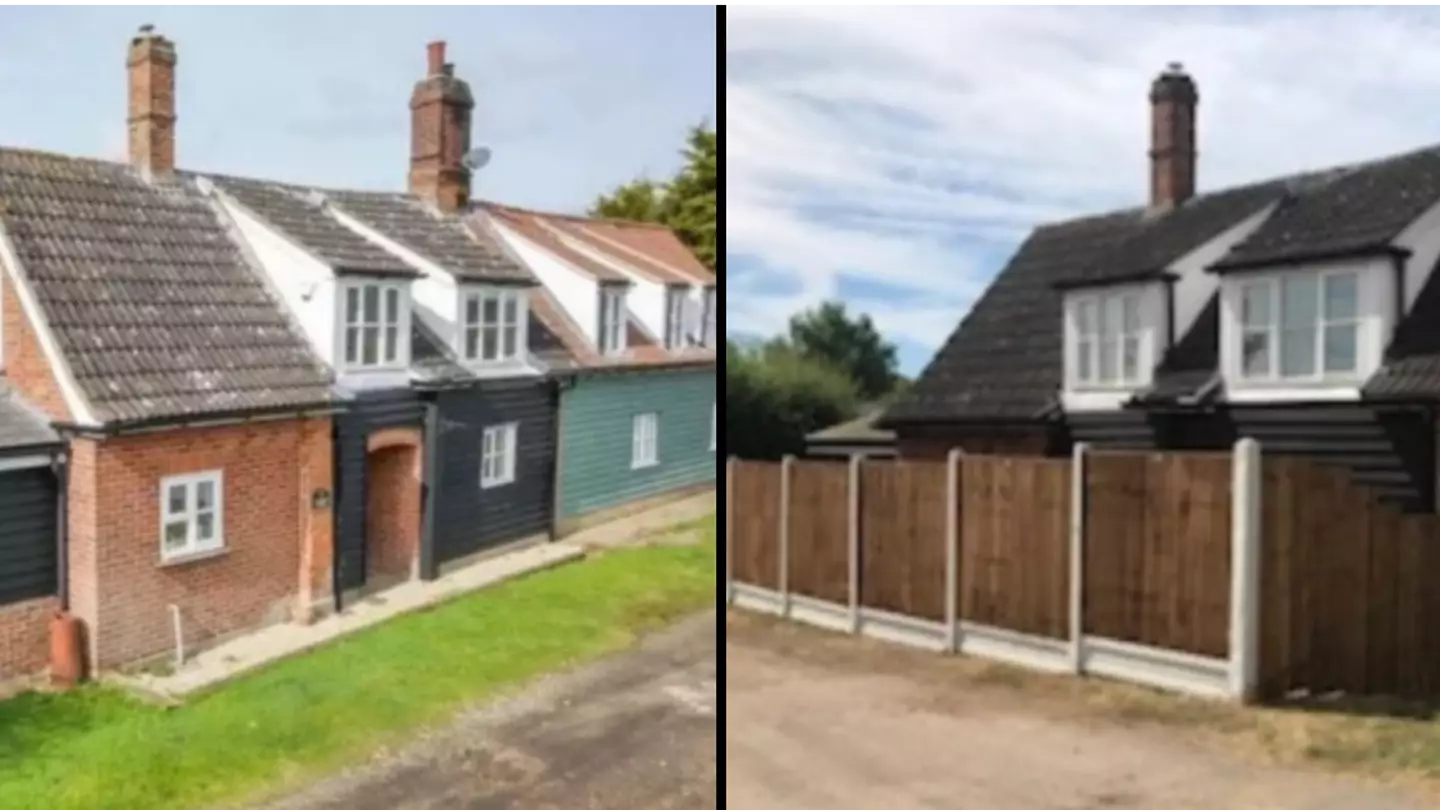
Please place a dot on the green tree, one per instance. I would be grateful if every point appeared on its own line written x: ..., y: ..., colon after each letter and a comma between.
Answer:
x: 638, y: 201
x: 685, y: 203
x: 853, y: 345
x: 774, y: 398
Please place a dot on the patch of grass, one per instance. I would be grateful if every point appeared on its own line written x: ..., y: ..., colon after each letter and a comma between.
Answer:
x: 98, y: 750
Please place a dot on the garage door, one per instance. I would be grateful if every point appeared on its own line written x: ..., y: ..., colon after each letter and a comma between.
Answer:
x: 28, y: 522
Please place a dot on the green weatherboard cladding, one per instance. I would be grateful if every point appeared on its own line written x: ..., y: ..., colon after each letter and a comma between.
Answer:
x: 597, y: 422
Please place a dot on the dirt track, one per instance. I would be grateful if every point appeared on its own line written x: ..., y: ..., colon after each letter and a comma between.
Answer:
x: 815, y: 722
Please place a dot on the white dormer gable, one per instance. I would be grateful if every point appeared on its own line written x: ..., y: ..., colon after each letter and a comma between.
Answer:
x: 1319, y: 330
x: 485, y: 325
x: 359, y: 325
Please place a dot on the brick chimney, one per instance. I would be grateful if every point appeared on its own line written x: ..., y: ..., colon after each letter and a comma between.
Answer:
x: 440, y: 135
x: 1173, y: 99
x: 152, y: 102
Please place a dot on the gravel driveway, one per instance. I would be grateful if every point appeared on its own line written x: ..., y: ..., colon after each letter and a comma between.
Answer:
x: 819, y: 722
x: 636, y: 732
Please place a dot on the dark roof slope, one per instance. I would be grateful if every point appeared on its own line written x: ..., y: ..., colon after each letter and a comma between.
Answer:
x: 1003, y: 361
x: 441, y: 239
x: 1168, y: 237
x: 1359, y: 208
x: 299, y: 214
x: 152, y: 304
x: 21, y: 425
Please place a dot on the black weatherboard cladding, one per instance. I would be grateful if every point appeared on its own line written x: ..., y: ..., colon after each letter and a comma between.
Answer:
x: 29, y: 566
x: 470, y: 519
x: 352, y: 431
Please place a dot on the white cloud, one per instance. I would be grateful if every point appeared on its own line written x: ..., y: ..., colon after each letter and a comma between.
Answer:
x: 902, y: 145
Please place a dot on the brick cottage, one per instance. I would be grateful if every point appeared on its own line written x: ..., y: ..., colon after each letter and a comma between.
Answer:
x: 198, y: 420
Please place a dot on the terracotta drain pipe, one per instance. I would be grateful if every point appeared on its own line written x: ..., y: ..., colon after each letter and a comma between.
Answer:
x: 67, y: 642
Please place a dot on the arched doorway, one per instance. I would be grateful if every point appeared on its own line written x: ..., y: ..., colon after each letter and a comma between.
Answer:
x: 392, y: 506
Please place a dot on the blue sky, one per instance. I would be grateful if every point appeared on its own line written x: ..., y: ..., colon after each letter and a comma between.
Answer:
x: 573, y: 100
x: 894, y: 158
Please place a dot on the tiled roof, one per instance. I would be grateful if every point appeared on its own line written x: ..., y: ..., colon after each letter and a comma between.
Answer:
x: 297, y: 213
x: 1168, y: 237
x: 1003, y: 361
x: 651, y: 249
x: 1359, y: 208
x: 531, y: 226
x: 151, y: 302
x: 443, y: 240
x: 863, y: 429
x: 22, y: 425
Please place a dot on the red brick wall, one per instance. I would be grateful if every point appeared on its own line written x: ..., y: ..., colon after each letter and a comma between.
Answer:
x: 392, y: 513
x: 270, y: 470
x: 25, y: 637
x: 25, y: 365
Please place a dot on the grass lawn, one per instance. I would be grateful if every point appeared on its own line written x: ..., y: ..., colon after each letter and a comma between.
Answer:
x: 98, y: 750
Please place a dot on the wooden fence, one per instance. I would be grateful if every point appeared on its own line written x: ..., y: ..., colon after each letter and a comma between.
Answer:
x: 1333, y: 586
x: 1349, y: 599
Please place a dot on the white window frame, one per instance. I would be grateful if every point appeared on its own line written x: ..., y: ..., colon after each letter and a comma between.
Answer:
x: 392, y: 338
x: 1090, y: 347
x: 1273, y: 329
x: 676, y: 333
x: 714, y: 418
x: 645, y: 441
x: 712, y: 318
x: 499, y: 446
x: 190, y: 515
x: 479, y: 331
x: 613, y: 335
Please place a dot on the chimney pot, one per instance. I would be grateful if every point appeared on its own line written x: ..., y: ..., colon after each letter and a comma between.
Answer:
x: 147, y: 28
x: 437, y: 57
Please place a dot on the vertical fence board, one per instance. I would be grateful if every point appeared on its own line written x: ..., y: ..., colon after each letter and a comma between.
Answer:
x: 819, y: 531
x: 757, y: 524
x: 902, y: 537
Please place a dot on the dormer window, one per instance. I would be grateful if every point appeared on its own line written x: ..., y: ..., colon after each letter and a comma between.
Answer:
x: 675, y: 299
x: 612, y: 321
x: 1108, y: 333
x: 493, y: 325
x: 375, y: 333
x: 1299, y: 327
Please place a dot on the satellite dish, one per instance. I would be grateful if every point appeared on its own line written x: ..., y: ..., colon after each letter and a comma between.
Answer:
x: 478, y: 158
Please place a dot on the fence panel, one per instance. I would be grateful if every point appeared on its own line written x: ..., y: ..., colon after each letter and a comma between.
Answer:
x: 1015, y: 544
x: 902, y: 538
x: 1157, y: 550
x: 819, y: 530
x: 1348, y: 603
x: 756, y: 536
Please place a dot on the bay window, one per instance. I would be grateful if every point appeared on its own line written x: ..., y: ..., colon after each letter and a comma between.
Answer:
x: 1299, y: 327
x: 375, y: 332
x: 1107, y: 332
x: 493, y: 325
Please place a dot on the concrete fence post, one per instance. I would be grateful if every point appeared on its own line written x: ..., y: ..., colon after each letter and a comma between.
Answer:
x: 730, y: 465
x: 1078, y: 464
x: 952, y: 550
x: 787, y: 466
x: 1245, y: 561
x: 853, y: 539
